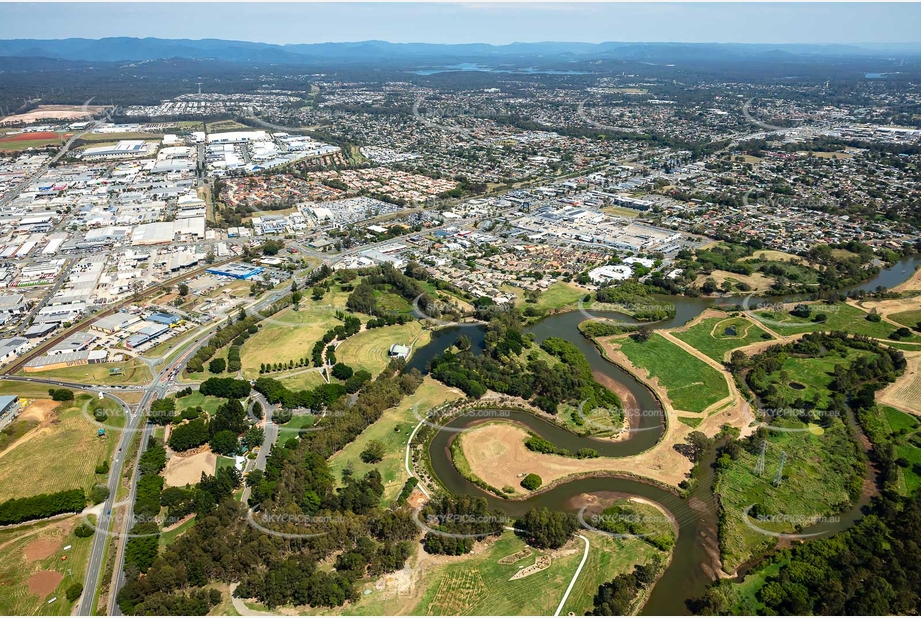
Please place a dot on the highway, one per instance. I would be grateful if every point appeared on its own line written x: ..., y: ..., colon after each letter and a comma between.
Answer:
x: 157, y: 389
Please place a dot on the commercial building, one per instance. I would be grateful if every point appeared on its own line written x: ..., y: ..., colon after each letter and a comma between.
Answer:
x: 235, y: 270
x: 122, y: 150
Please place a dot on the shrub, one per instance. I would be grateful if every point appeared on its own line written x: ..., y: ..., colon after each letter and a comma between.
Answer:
x: 531, y: 482
x: 61, y: 394
x: 74, y: 591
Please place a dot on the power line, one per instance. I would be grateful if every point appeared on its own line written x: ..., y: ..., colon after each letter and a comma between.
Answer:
x: 779, y: 476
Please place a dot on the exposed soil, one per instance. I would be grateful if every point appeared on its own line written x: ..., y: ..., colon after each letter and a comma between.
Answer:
x: 40, y: 410
x: 41, y: 548
x: 44, y: 583
x: 182, y: 471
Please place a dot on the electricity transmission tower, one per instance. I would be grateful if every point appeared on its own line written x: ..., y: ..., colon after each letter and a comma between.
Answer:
x: 779, y: 475
x: 759, y: 467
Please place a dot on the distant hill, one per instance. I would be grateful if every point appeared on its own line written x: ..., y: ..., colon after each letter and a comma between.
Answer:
x: 125, y: 49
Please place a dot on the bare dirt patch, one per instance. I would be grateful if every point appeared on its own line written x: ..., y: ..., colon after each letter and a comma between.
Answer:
x: 905, y: 392
x: 44, y: 583
x: 41, y: 548
x: 912, y: 283
x: 41, y: 411
x: 182, y: 471
x: 29, y: 137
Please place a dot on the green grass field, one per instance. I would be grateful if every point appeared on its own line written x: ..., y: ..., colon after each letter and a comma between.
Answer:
x: 710, y: 336
x: 908, y: 318
x: 813, y: 373
x: 132, y: 372
x: 480, y: 586
x: 168, y: 537
x: 607, y: 558
x: 840, y: 317
x: 16, y: 569
x: 61, y: 454
x: 393, y: 429
x: 302, y: 381
x: 20, y: 145
x: 818, y: 473
x: 692, y: 385
x: 290, y: 334
x: 293, y: 427
x: 208, y: 403
x: 369, y: 349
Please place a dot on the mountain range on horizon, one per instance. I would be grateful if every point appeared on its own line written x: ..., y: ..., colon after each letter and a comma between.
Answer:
x: 129, y: 49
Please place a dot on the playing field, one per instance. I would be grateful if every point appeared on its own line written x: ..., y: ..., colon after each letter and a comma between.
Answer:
x: 717, y: 336
x: 60, y: 453
x: 692, y: 385
x: 393, y: 429
x: 369, y: 349
x: 32, y: 571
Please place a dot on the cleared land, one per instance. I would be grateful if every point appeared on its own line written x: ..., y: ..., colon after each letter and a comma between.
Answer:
x: 132, y: 372
x: 757, y: 281
x: 392, y: 429
x: 60, y: 453
x: 905, y: 392
x: 182, y: 471
x: 692, y: 385
x: 480, y: 585
x: 717, y: 336
x: 31, y: 569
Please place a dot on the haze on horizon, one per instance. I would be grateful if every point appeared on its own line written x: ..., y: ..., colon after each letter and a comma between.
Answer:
x: 498, y: 23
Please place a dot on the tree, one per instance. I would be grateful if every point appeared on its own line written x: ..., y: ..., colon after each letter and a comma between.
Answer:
x: 642, y: 334
x: 318, y: 292
x: 341, y: 371
x: 224, y: 443
x: 61, y: 394
x: 217, y: 365
x: 74, y: 591
x: 183, y: 289
x: 272, y: 247
x: 374, y: 452
x: 544, y: 529
x: 532, y: 296
x: 254, y: 437
x: 531, y: 482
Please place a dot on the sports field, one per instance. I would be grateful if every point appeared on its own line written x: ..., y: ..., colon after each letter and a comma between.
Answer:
x: 692, y: 385
x: 32, y: 571
x: 717, y: 336
x: 369, y: 349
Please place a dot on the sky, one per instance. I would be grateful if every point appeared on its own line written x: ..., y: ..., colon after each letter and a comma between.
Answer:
x: 496, y: 23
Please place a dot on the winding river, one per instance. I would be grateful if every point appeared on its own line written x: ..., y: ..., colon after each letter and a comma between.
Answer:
x: 695, y: 560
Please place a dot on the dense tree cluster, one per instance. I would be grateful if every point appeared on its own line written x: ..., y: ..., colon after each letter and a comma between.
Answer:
x: 635, y: 298
x: 297, y: 483
x: 313, y: 399
x: 617, y: 597
x: 43, y: 505
x: 225, y: 388
x: 873, y: 569
x: 501, y: 368
x: 464, y: 519
x: 545, y: 529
